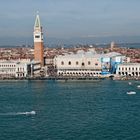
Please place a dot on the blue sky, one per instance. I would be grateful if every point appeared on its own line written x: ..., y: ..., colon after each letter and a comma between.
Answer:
x: 69, y: 19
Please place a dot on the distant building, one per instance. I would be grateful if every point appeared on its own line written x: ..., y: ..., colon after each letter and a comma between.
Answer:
x: 112, y: 45
x: 38, y: 42
x: 128, y: 69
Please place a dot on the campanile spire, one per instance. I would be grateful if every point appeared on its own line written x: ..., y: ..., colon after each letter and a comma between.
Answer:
x: 37, y: 21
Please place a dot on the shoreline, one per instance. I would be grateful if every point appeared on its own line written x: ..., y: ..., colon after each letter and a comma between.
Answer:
x: 70, y: 78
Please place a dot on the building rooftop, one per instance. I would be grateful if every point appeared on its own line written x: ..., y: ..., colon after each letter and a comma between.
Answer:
x: 88, y: 54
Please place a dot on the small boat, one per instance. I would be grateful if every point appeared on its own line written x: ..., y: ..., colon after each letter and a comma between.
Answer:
x: 138, y: 86
x: 131, y: 92
x: 129, y: 83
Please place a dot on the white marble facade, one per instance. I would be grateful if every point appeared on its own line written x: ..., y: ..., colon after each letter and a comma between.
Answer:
x: 81, y: 64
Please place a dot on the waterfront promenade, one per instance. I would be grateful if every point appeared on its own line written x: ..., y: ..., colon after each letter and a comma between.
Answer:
x: 67, y: 78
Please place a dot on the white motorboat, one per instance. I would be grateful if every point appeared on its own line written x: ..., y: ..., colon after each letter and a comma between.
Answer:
x: 138, y: 86
x: 131, y: 92
x: 129, y: 83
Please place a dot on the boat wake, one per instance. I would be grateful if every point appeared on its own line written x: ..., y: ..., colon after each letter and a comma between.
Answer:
x: 18, y: 113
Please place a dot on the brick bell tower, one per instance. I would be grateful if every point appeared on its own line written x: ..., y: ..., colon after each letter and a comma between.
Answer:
x: 38, y: 42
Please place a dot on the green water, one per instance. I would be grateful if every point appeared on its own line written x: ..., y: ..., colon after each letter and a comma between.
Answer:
x: 95, y: 110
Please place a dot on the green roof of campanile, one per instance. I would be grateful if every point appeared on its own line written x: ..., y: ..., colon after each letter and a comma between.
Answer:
x: 37, y: 22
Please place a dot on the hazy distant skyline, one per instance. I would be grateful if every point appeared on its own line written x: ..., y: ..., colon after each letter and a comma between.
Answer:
x: 66, y: 19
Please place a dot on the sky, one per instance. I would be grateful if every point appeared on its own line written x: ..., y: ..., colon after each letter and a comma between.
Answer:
x: 70, y: 20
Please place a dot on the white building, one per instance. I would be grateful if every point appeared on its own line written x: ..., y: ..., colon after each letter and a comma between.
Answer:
x: 13, y: 69
x: 16, y: 69
x: 80, y: 64
x: 128, y: 69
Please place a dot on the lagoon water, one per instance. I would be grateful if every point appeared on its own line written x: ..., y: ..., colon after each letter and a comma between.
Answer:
x: 74, y: 110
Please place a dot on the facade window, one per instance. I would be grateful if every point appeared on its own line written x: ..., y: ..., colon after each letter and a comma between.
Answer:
x: 122, y: 68
x: 96, y: 64
x: 119, y: 68
x: 62, y: 63
x: 125, y: 68
x: 136, y: 68
x: 89, y: 62
x: 77, y: 63
x: 69, y: 63
x: 83, y: 64
x: 129, y: 68
x: 132, y: 68
x: 133, y: 73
